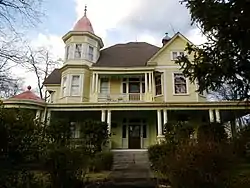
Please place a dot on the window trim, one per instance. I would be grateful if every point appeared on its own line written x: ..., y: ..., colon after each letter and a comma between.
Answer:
x: 79, y: 85
x: 89, y: 46
x: 161, y: 74
x: 62, y: 86
x: 173, y: 84
x: 178, y: 54
x: 99, y: 85
x: 81, y: 55
x: 127, y: 85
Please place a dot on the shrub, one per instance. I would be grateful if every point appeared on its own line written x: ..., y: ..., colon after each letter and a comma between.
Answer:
x: 65, y: 165
x: 102, y: 161
x: 156, y: 152
x: 94, y: 134
x: 212, y: 132
x: 204, y: 164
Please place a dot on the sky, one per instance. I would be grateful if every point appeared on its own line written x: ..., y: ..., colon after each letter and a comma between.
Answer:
x: 115, y: 21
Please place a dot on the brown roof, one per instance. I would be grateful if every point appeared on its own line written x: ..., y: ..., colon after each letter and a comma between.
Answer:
x: 132, y: 54
x: 54, y: 77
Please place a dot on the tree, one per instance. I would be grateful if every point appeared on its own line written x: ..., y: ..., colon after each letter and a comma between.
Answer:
x: 15, y: 14
x: 41, y: 63
x: 225, y: 57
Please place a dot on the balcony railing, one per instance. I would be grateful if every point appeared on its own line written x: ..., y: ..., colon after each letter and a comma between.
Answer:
x: 123, y: 97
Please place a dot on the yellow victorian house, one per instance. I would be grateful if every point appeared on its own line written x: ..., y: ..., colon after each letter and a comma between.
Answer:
x: 135, y: 87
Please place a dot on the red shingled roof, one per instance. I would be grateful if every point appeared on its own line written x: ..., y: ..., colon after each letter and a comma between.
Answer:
x: 28, y: 95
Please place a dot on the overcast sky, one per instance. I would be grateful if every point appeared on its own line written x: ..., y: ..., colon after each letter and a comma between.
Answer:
x: 115, y: 21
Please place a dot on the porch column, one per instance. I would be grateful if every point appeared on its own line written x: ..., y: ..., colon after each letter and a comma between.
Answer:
x: 150, y: 82
x: 96, y: 83
x: 93, y: 83
x: 159, y: 123
x: 146, y: 82
x: 165, y: 117
x: 38, y: 114
x: 103, y: 116
x: 211, y: 115
x: 109, y: 121
x: 217, y: 115
x: 48, y: 117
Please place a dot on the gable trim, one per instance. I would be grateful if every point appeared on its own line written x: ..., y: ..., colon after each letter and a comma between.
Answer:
x: 178, y: 34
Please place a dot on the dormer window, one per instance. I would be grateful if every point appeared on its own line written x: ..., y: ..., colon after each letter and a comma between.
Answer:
x: 91, y: 53
x: 176, y: 54
x: 78, y: 51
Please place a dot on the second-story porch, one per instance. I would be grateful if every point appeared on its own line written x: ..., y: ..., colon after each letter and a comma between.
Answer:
x: 126, y: 86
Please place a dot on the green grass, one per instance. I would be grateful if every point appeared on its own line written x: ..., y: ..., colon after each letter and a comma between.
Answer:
x: 100, y: 176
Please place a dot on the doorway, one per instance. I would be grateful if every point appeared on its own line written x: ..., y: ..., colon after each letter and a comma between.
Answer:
x: 134, y: 136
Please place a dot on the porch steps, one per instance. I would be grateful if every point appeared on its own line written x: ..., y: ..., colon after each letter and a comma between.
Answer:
x: 132, y: 167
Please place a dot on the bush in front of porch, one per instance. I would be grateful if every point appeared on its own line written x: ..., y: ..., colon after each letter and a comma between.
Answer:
x: 208, y: 161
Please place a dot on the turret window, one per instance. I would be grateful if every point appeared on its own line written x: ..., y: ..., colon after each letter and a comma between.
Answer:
x: 67, y: 52
x: 91, y: 53
x: 78, y: 51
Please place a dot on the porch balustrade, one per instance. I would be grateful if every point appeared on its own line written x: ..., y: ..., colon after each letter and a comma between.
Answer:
x: 123, y: 97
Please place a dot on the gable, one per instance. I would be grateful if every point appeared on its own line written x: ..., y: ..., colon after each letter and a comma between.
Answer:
x: 164, y: 56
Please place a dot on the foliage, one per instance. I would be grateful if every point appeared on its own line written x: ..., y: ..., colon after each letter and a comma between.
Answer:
x: 206, y: 164
x: 65, y: 165
x: 224, y: 58
x: 102, y: 161
x: 94, y: 134
x: 242, y: 143
x: 156, y: 152
x: 212, y: 132
x: 177, y: 132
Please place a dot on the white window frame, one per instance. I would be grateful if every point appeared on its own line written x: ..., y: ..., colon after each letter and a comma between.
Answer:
x: 67, y: 52
x: 71, y: 85
x: 173, y: 83
x: 81, y: 53
x: 127, y: 85
x: 91, y: 54
x: 178, y: 54
x: 99, y: 88
x: 64, y: 86
x: 161, y: 75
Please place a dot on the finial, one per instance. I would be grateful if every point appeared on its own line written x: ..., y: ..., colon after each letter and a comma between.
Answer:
x: 29, y: 88
x: 85, y: 10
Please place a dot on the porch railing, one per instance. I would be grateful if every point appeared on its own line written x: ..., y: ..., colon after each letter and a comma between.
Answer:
x: 123, y: 97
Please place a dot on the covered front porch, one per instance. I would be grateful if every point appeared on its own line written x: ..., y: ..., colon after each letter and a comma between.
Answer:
x: 138, y: 127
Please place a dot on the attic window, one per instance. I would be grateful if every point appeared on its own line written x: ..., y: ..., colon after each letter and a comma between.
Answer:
x: 176, y: 54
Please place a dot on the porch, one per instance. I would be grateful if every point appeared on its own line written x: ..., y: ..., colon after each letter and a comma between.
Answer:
x: 138, y: 128
x: 123, y: 87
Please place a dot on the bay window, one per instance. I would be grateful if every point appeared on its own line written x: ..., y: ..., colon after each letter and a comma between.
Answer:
x: 64, y: 86
x: 75, y: 85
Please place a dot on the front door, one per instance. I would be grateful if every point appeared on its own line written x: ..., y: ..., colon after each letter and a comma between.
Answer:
x: 134, y: 136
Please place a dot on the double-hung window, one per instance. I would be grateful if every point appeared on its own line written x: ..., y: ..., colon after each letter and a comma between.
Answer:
x: 91, y: 53
x: 180, y: 84
x: 158, y: 84
x: 104, y: 86
x: 64, y: 86
x: 78, y: 51
x: 67, y: 52
x: 75, y: 85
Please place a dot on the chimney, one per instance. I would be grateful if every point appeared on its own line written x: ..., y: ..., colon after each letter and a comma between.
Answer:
x: 165, y: 39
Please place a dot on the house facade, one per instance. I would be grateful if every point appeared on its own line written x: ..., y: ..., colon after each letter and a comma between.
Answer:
x: 135, y: 87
